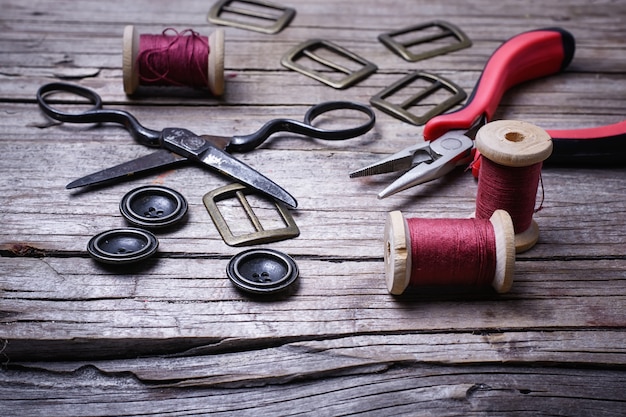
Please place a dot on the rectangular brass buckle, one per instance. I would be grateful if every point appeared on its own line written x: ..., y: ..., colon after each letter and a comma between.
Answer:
x: 443, y: 30
x: 400, y: 110
x: 255, y: 17
x: 307, y: 49
x: 260, y: 235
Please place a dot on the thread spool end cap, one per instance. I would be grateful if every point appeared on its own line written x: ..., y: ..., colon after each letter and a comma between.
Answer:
x: 216, y: 62
x: 397, y: 253
x: 130, y: 49
x: 505, y: 250
x: 528, y: 238
x: 513, y: 143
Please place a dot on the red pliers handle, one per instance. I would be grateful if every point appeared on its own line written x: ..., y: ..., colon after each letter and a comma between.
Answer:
x: 524, y: 57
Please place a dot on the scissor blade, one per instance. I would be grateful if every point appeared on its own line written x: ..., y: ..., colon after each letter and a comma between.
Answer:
x: 159, y: 159
x: 237, y: 170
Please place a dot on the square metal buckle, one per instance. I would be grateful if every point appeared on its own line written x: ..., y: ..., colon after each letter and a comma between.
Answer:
x: 255, y: 17
x: 307, y: 49
x: 400, y: 110
x: 260, y: 235
x: 445, y: 30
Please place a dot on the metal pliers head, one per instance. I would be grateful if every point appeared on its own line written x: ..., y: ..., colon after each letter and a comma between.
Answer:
x: 422, y: 162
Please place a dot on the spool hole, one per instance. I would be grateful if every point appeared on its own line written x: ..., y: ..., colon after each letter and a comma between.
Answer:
x: 514, y: 136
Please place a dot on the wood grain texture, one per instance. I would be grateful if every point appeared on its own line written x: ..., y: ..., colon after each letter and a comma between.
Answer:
x: 172, y: 336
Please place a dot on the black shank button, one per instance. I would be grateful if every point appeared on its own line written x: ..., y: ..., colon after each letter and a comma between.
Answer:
x: 262, y: 271
x: 122, y: 246
x: 153, y: 206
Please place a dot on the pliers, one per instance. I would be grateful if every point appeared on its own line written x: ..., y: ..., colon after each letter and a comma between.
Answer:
x: 449, y: 138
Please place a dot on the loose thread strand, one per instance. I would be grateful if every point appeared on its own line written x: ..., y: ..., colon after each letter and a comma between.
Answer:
x: 178, y: 59
x: 543, y: 194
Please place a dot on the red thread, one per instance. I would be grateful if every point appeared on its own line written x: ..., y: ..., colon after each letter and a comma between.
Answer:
x: 452, y: 252
x: 179, y: 59
x: 513, y: 189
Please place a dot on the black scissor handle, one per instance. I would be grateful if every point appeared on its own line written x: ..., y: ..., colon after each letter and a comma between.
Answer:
x: 339, y: 134
x: 248, y: 142
x: 96, y: 114
x: 88, y: 116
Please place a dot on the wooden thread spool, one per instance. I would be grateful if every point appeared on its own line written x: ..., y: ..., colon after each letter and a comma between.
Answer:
x: 514, y: 150
x: 130, y: 67
x: 399, y: 265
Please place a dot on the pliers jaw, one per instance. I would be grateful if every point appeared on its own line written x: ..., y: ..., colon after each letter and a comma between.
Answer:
x: 404, y: 160
x: 422, y: 162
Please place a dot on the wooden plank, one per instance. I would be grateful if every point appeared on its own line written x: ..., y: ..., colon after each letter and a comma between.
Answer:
x: 173, y: 335
x: 101, y: 308
x: 220, y: 364
x: 328, y: 197
x: 400, y: 390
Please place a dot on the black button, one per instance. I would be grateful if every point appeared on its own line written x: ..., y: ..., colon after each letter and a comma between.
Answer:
x: 153, y: 206
x: 262, y: 271
x: 122, y: 246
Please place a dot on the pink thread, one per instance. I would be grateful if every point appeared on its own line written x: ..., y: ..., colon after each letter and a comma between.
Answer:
x: 452, y: 252
x: 513, y: 189
x: 178, y: 59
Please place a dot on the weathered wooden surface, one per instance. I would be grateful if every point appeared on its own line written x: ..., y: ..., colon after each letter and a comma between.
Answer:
x: 174, y: 337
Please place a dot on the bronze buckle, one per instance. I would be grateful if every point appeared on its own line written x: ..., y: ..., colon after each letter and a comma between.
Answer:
x: 400, y: 110
x: 260, y: 235
x: 446, y: 30
x: 307, y: 49
x: 259, y: 12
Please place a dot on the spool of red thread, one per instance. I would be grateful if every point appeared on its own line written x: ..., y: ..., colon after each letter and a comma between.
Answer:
x: 468, y: 252
x: 183, y: 57
x: 512, y: 155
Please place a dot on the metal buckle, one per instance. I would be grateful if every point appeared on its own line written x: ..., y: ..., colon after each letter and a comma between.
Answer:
x: 307, y: 49
x: 400, y: 110
x: 260, y: 235
x: 446, y: 30
x: 259, y: 13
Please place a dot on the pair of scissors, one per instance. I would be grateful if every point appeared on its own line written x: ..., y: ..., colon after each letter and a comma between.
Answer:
x: 449, y: 138
x: 180, y: 145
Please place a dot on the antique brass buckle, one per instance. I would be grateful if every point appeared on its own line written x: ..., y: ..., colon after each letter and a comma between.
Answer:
x: 442, y: 30
x: 255, y: 17
x: 400, y: 110
x: 307, y: 49
x: 260, y: 235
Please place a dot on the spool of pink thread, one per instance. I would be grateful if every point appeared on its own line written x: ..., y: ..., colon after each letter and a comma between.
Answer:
x: 440, y: 252
x: 512, y: 155
x: 173, y: 59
